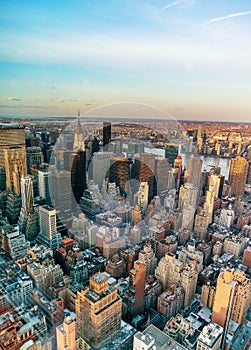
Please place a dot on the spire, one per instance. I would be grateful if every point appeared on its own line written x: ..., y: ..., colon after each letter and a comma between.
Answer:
x: 79, y: 129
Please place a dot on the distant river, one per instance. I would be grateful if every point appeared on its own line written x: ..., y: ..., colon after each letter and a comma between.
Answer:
x: 208, y: 161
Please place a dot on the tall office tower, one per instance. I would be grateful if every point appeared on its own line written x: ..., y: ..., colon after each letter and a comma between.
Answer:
x: 209, y: 204
x: 201, y: 224
x: 78, y: 175
x: 107, y: 129
x: 34, y: 157
x: 78, y: 144
x: 146, y: 172
x: 101, y: 164
x: 161, y: 173
x: 61, y: 194
x: 120, y: 172
x: 28, y: 219
x: 210, y: 337
x: 43, y: 184
x: 193, y: 171
x: 147, y: 257
x: 171, y: 270
x: 48, y: 234
x: 142, y: 196
x: 15, y: 167
x: 66, y: 335
x: 13, y: 206
x: 178, y: 165
x: 232, y: 297
x: 98, y: 312
x: 171, y: 152
x: 238, y: 175
x: 214, y: 183
x: 172, y: 180
x: 187, y: 204
x: 11, y: 135
x: 135, y: 294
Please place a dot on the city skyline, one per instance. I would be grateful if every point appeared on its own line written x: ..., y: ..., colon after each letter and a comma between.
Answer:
x: 189, y: 58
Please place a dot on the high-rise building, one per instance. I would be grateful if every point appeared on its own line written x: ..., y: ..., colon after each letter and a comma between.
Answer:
x: 171, y: 270
x: 193, y: 172
x: 171, y: 152
x: 232, y: 297
x: 15, y: 167
x: 78, y: 144
x: 135, y: 295
x: 147, y: 257
x: 66, y: 335
x: 11, y: 135
x: 187, y: 204
x: 43, y: 184
x: 161, y: 173
x: 142, y: 196
x: 34, y: 157
x: 238, y: 175
x: 107, y: 129
x: 28, y: 219
x: 209, y: 204
x: 98, y: 312
x: 120, y: 172
x: 48, y: 234
x: 13, y: 206
x: 171, y: 301
x: 61, y: 194
x: 14, y: 242
x: 78, y: 174
x: 101, y: 164
x: 201, y: 224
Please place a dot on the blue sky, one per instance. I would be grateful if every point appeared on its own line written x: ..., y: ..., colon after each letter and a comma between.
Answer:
x: 190, y: 57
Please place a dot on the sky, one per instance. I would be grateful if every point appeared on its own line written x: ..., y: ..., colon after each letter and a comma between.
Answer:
x: 191, y: 58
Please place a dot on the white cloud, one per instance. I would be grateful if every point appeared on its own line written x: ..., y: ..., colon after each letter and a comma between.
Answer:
x: 231, y: 15
x: 14, y: 99
x: 177, y: 3
x: 172, y: 4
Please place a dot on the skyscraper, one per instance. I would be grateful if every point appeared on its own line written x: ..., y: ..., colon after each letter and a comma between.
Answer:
x: 101, y: 165
x: 106, y: 133
x: 66, y: 335
x: 238, y: 175
x: 147, y: 257
x: 120, y: 172
x: 135, y: 295
x: 232, y: 297
x: 193, y: 171
x: 78, y: 174
x: 43, y: 184
x: 28, y: 219
x: 98, y: 312
x: 11, y: 135
x: 15, y: 167
x: 48, y: 229
x: 34, y: 157
x: 171, y: 152
x: 78, y: 144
